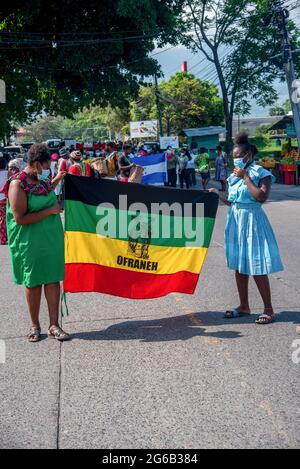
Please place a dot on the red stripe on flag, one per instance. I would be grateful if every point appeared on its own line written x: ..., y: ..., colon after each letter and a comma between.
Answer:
x: 80, y: 278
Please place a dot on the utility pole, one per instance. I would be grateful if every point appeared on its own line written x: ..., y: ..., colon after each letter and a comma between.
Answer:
x: 158, y: 105
x: 281, y: 15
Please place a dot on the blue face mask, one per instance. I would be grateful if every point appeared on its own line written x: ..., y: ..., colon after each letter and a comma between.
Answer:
x: 239, y: 163
x: 45, y: 175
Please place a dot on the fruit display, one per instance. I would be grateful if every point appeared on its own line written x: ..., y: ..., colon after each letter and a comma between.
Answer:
x: 291, y: 157
x: 267, y: 162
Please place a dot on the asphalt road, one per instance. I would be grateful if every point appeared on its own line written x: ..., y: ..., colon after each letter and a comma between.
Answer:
x: 168, y: 373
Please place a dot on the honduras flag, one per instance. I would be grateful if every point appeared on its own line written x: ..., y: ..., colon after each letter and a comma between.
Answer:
x: 155, y: 168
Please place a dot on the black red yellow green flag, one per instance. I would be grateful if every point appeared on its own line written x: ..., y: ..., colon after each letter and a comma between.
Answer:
x: 135, y: 241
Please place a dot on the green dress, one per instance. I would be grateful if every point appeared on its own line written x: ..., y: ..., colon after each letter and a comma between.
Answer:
x: 37, y: 250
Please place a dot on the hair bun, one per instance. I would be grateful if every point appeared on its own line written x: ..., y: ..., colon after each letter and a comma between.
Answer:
x: 242, y: 138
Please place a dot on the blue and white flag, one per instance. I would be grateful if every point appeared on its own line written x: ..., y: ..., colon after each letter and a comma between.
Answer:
x: 155, y: 168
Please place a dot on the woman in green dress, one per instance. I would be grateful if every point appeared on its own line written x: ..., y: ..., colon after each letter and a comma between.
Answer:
x: 36, y: 238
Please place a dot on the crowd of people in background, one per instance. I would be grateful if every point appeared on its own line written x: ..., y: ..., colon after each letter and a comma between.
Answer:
x: 183, y: 166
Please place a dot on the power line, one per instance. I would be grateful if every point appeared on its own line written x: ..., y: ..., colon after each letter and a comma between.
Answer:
x: 100, y: 67
x: 75, y: 33
x: 41, y: 43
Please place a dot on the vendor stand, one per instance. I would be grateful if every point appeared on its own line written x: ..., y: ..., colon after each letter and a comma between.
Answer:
x: 286, y: 170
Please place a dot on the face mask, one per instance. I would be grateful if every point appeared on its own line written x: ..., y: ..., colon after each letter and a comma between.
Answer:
x: 13, y: 171
x: 239, y: 163
x: 45, y: 175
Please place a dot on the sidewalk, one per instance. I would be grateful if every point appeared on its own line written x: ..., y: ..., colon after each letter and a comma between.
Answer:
x: 168, y: 373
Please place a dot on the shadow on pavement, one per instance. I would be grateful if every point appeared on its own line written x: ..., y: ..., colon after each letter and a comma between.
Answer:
x: 159, y: 330
x: 178, y: 328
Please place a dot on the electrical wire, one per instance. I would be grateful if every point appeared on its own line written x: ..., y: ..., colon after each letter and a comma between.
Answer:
x: 100, y: 67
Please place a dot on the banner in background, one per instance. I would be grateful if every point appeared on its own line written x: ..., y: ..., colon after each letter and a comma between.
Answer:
x: 166, y: 142
x: 143, y: 129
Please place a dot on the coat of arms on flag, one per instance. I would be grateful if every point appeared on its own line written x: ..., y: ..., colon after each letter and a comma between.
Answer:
x: 135, y: 241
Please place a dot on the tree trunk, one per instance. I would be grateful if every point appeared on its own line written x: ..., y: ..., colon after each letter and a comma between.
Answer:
x: 228, y: 115
x: 229, y: 134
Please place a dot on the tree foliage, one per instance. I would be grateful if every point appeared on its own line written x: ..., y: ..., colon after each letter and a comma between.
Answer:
x: 239, y: 43
x: 186, y: 102
x: 73, y: 54
x: 281, y: 109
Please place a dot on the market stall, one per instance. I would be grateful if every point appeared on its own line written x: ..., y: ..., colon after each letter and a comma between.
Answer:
x: 285, y: 166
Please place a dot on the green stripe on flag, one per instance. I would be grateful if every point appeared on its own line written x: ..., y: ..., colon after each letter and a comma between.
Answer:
x: 166, y: 230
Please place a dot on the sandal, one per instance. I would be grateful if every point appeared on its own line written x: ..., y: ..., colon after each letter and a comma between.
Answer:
x: 34, y: 334
x: 56, y: 332
x: 235, y: 314
x: 265, y: 319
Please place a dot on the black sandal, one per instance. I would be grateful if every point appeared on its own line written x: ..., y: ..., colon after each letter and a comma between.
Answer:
x: 235, y: 314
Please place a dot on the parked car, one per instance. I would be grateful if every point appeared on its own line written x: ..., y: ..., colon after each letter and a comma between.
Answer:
x: 54, y: 144
x: 26, y: 146
x: 14, y: 149
x: 151, y: 147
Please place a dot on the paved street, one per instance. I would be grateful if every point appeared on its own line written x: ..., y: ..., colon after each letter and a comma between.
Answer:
x: 168, y: 373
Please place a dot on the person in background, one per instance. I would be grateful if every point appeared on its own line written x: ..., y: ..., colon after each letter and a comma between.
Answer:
x: 142, y: 151
x: 36, y: 239
x: 202, y: 164
x: 3, y: 179
x: 79, y: 167
x: 110, y: 148
x: 183, y: 174
x: 221, y: 168
x: 191, y: 168
x: 54, y: 164
x: 64, y: 160
x: 14, y: 167
x: 171, y: 167
x: 125, y: 164
x: 250, y: 243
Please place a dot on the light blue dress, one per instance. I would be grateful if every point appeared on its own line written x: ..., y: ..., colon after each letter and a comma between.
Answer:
x: 250, y: 243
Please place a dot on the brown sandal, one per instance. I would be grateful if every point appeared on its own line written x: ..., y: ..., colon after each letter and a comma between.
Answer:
x: 34, y: 334
x: 56, y: 332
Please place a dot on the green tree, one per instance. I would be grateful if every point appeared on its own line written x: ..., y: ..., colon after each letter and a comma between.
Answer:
x: 238, y: 42
x: 186, y: 102
x: 287, y: 107
x: 281, y: 109
x: 277, y: 110
x: 45, y: 127
x: 117, y: 120
x: 262, y: 134
x: 74, y: 54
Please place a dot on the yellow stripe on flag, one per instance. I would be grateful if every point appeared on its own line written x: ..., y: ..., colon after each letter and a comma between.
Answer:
x: 87, y: 248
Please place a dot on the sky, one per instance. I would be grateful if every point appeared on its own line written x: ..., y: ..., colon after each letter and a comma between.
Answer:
x: 171, y: 60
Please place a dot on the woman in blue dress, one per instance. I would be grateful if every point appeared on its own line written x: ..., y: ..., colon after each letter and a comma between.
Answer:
x: 250, y: 243
x: 221, y: 168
